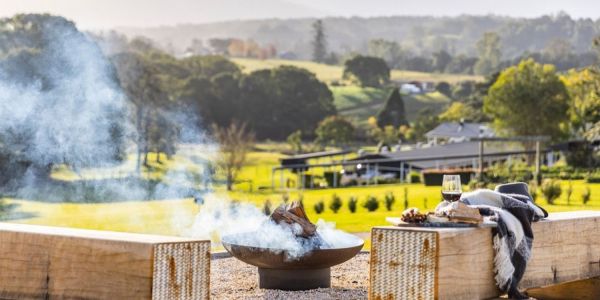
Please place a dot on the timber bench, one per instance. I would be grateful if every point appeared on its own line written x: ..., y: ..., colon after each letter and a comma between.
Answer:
x: 39, y: 262
x: 457, y: 263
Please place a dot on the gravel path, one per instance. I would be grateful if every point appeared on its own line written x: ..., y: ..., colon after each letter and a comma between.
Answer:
x: 233, y: 279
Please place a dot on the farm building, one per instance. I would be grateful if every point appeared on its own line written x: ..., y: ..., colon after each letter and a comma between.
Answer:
x: 454, y: 132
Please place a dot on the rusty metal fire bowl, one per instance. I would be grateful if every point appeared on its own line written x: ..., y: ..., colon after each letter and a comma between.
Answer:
x: 277, y: 270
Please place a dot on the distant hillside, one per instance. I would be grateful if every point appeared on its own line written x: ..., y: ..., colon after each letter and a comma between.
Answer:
x: 417, y: 34
x: 330, y: 73
x: 361, y: 103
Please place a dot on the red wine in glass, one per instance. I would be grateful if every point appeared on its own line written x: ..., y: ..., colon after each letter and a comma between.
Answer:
x: 451, y: 196
x: 451, y: 189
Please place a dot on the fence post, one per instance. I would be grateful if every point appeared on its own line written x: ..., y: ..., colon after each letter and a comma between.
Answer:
x: 480, y: 160
x: 402, y: 172
x: 538, y: 178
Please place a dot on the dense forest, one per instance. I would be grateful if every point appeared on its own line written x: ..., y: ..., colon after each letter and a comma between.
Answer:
x: 418, y: 35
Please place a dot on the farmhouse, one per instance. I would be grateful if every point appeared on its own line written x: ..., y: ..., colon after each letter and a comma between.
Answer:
x: 453, y: 132
x: 465, y: 148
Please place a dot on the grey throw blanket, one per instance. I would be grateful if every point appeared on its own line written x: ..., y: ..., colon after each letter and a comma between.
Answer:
x: 513, y: 237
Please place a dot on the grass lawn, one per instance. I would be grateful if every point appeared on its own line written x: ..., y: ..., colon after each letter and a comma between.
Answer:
x: 174, y: 217
x: 329, y: 73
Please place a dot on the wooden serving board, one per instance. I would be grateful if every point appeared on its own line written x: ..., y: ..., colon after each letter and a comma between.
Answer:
x: 398, y: 222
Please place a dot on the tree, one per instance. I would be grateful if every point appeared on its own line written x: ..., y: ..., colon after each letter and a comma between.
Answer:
x: 461, y: 64
x: 458, y: 111
x: 559, y: 52
x: 388, y: 135
x: 277, y: 102
x: 295, y: 141
x: 584, y: 91
x: 210, y: 65
x: 488, y: 49
x: 142, y: 87
x: 389, y: 51
x: 393, y: 112
x: 60, y: 99
x: 444, y: 88
x: 319, y: 42
x: 335, y: 131
x: 473, y: 101
x: 235, y: 142
x: 426, y: 121
x: 366, y: 71
x: 528, y: 99
x: 441, y: 60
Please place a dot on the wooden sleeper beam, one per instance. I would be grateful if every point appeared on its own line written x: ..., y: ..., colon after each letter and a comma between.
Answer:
x: 39, y: 262
x: 457, y: 263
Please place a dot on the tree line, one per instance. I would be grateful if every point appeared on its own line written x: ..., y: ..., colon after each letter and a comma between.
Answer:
x: 422, y: 36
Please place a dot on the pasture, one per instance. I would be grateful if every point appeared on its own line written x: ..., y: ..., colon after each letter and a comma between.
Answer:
x: 330, y: 73
x: 361, y: 103
x: 175, y: 216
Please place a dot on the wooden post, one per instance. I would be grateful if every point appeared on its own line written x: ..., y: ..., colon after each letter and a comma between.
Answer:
x: 334, y: 178
x: 480, y: 172
x: 39, y: 262
x: 402, y: 172
x: 273, y: 179
x: 538, y: 178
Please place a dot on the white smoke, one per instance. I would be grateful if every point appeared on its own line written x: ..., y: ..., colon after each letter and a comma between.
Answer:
x: 61, y: 103
x: 244, y: 224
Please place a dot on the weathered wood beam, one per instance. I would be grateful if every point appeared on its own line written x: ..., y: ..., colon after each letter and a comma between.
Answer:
x: 39, y: 262
x: 457, y: 263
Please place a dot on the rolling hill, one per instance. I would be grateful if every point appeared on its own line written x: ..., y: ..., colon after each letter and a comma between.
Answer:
x: 330, y: 73
x: 360, y: 103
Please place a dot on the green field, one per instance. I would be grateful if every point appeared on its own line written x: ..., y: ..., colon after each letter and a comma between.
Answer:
x: 361, y: 103
x: 175, y: 216
x: 329, y: 73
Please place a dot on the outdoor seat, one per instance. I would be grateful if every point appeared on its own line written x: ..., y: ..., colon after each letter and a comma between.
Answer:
x: 39, y: 262
x: 457, y: 263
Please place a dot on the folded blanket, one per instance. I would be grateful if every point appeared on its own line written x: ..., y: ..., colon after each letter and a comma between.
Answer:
x: 513, y: 237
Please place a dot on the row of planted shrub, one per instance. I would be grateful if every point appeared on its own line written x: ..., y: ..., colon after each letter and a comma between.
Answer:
x: 371, y: 203
x: 550, y: 189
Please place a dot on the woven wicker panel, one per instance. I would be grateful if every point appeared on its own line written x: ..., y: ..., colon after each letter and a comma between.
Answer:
x: 181, y: 271
x: 403, y: 264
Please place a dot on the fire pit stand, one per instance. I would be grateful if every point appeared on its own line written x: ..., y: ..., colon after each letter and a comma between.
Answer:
x: 294, y: 280
x: 277, y: 270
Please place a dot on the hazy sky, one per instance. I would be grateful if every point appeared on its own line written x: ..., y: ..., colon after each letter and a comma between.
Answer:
x: 102, y: 14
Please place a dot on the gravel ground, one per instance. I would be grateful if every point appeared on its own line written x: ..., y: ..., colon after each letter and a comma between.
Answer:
x: 233, y: 279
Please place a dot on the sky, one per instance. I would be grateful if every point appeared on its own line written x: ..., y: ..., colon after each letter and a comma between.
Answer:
x: 106, y: 14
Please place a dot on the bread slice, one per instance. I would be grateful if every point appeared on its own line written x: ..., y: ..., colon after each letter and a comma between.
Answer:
x: 460, y: 212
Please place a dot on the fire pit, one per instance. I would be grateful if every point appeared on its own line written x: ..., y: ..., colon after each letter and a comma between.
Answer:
x: 278, y: 269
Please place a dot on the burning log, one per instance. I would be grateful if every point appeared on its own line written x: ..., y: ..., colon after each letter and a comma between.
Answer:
x: 294, y: 213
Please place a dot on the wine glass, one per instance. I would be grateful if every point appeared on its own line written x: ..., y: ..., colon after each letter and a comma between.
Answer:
x: 451, y: 189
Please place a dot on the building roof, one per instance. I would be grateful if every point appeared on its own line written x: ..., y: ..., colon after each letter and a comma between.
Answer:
x: 460, y: 130
x: 447, y: 155
x: 301, y: 158
x: 449, y: 150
